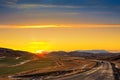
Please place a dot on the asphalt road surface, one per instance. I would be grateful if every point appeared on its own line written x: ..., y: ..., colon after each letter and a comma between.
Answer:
x: 103, y: 72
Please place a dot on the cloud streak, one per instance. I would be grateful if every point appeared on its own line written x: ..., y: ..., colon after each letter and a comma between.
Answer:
x: 6, y: 3
x: 103, y: 5
x: 56, y: 11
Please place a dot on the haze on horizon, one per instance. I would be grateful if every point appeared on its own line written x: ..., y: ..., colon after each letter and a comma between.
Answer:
x: 67, y: 39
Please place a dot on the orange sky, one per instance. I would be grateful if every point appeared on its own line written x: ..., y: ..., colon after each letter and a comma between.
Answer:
x: 71, y: 38
x: 59, y: 25
x: 34, y: 25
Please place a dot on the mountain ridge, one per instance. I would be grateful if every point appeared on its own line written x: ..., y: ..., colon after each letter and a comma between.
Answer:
x: 13, y: 53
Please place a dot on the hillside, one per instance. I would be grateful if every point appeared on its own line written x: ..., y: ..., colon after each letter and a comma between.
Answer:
x: 13, y: 53
x: 101, y: 55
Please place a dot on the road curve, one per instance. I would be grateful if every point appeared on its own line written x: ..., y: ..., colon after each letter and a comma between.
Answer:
x: 102, y: 72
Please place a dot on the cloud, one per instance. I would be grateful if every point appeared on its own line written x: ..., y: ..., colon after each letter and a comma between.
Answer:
x: 101, y: 5
x: 10, y: 2
x: 6, y: 6
x: 85, y: 11
x: 7, y: 2
x: 71, y: 2
x: 90, y: 4
x: 28, y: 6
x: 59, y: 2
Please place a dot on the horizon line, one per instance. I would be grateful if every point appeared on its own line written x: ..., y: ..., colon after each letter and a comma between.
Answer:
x: 62, y: 26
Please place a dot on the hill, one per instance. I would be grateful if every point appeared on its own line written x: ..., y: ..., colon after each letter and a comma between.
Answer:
x: 5, y: 52
x: 94, y: 51
x: 88, y: 54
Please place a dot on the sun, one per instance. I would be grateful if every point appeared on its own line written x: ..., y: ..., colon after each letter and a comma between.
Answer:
x: 38, y: 46
x: 40, y: 52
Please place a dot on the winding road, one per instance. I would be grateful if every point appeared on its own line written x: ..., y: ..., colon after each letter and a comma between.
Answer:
x: 103, y: 72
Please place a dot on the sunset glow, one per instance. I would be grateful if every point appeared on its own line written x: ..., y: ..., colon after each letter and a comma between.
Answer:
x: 38, y: 46
x: 67, y: 39
x: 40, y: 51
x: 56, y: 39
x: 41, y: 26
x: 62, y: 25
x: 33, y: 25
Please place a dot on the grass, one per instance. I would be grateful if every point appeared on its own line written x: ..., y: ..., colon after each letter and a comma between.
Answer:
x: 69, y: 63
x: 8, y: 61
x: 41, y: 63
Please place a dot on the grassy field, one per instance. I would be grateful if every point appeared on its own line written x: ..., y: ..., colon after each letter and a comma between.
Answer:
x: 46, y: 64
x: 8, y: 61
x: 35, y: 64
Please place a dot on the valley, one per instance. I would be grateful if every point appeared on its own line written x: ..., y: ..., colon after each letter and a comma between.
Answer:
x: 60, y: 66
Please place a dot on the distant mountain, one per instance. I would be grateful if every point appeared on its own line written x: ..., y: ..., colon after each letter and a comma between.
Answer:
x: 114, y: 51
x: 13, y: 53
x: 101, y: 55
x: 58, y: 53
x: 88, y: 54
x: 93, y: 51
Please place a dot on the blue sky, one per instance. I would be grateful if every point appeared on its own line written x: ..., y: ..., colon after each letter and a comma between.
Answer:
x: 45, y: 12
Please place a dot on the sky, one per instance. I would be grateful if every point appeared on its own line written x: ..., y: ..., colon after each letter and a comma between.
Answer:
x: 33, y: 25
x: 65, y: 39
x: 58, y: 12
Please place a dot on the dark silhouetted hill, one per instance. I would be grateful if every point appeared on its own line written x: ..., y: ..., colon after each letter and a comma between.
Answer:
x: 93, y: 51
x: 100, y: 55
x: 58, y: 53
x: 13, y: 53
